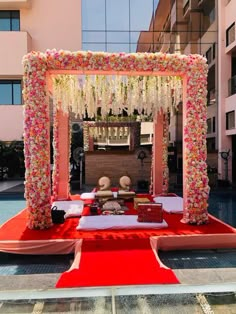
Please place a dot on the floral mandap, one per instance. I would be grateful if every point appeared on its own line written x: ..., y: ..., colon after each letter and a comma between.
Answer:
x: 153, y: 82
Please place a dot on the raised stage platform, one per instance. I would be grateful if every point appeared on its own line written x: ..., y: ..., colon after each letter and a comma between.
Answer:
x: 115, y: 257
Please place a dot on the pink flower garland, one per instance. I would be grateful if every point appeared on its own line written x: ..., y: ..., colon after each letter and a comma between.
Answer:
x: 36, y: 128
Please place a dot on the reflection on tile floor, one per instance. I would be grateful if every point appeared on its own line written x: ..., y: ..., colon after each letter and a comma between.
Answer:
x: 13, y: 264
x: 195, y: 259
x: 132, y: 304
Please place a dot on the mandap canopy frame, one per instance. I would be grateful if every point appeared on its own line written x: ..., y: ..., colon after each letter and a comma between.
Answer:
x: 38, y: 71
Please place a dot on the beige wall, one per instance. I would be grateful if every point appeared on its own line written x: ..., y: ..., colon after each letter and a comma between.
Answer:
x: 53, y: 24
x: 16, y: 45
x: 230, y: 16
x: 11, y: 123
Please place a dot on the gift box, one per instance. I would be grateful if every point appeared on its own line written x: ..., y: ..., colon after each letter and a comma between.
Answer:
x: 150, y: 212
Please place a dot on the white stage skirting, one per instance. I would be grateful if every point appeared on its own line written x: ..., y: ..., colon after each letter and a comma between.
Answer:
x: 171, y: 204
x: 43, y: 247
x: 106, y: 222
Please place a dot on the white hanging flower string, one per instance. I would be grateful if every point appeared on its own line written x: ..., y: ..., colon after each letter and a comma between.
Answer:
x: 146, y: 94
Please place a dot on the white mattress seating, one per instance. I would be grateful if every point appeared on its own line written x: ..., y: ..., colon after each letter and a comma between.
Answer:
x: 72, y: 208
x: 171, y: 204
x: 112, y: 222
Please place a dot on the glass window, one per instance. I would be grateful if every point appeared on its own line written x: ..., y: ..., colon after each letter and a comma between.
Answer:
x: 93, y: 15
x: 9, y: 20
x: 185, y: 6
x: 118, y: 47
x: 94, y: 46
x: 208, y: 56
x: 208, y: 126
x: 10, y: 92
x: 133, y: 48
x: 94, y: 37
x: 212, y: 16
x: 211, y: 144
x: 17, y: 92
x: 134, y: 36
x: 15, y: 20
x: 230, y: 35
x: 118, y: 37
x: 213, y: 124
x: 141, y: 13
x: 230, y: 120
x: 214, y: 51
x: 111, y: 23
x: 117, y: 15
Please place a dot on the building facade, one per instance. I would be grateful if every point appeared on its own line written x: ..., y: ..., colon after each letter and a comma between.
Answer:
x: 205, y: 27
x: 27, y: 25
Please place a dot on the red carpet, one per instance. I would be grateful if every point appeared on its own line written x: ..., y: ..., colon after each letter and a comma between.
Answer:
x: 117, y: 262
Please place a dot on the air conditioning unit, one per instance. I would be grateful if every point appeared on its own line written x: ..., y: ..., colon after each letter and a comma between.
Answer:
x: 75, y: 127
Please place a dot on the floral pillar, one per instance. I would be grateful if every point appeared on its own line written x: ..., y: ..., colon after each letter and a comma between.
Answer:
x: 195, y: 179
x: 37, y: 143
x: 158, y: 154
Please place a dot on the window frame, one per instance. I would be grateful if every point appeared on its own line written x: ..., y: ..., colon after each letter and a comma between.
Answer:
x: 209, y: 126
x: 228, y: 42
x: 11, y: 17
x: 227, y: 115
x: 209, y: 55
x: 12, y: 82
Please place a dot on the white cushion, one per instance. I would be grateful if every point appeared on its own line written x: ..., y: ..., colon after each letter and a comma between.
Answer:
x: 72, y: 208
x: 104, y: 222
x: 73, y: 212
x: 171, y: 204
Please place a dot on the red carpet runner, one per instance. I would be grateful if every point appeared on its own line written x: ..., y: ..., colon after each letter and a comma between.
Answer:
x: 117, y: 262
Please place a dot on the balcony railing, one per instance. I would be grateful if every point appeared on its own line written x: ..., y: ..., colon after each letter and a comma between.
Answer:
x: 232, y: 85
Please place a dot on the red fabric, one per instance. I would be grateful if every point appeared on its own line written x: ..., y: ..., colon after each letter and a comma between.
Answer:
x: 118, y: 257
x: 16, y: 229
x: 117, y: 262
